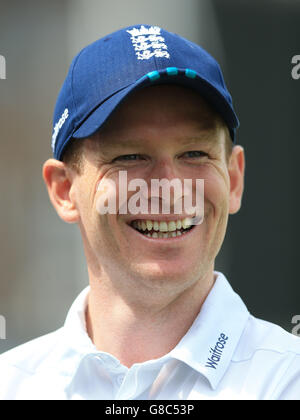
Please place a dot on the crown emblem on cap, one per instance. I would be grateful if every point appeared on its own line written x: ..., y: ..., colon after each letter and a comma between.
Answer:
x: 153, y: 30
x: 148, y: 43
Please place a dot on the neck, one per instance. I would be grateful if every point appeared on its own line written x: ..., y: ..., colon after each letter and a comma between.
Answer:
x: 137, y: 330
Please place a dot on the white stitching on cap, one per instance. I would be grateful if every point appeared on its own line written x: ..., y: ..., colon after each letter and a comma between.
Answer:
x: 58, y: 126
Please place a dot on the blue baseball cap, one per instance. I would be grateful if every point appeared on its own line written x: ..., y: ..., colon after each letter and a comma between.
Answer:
x: 105, y: 72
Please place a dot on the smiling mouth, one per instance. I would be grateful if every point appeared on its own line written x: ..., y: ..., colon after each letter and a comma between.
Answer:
x: 163, y: 229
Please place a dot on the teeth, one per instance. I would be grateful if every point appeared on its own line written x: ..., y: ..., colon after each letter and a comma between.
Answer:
x: 178, y: 224
x: 155, y: 226
x: 164, y: 234
x: 186, y: 223
x: 172, y: 226
x: 163, y: 229
x: 149, y: 224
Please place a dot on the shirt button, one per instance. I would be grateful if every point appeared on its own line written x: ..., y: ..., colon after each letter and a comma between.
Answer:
x: 120, y: 379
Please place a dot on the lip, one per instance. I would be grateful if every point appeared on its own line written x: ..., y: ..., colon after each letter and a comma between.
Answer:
x: 162, y: 241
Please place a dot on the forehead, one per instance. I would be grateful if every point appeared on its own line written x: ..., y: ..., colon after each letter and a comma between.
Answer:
x: 161, y: 103
x: 162, y: 111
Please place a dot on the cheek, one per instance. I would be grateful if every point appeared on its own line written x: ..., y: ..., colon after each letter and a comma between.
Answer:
x: 84, y: 195
x: 114, y: 192
x: 216, y: 188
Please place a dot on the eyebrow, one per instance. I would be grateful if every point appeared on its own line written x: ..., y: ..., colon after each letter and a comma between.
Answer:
x: 123, y: 144
x: 206, y: 136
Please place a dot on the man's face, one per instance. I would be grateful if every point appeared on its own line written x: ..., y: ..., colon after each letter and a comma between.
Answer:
x: 161, y: 132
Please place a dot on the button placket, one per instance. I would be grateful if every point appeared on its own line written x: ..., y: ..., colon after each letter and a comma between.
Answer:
x: 113, y: 368
x: 128, y: 388
x: 120, y: 379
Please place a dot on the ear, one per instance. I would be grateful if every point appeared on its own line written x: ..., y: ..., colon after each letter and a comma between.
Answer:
x: 59, y: 184
x: 236, y: 170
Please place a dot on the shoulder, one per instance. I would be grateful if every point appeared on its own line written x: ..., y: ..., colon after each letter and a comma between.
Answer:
x: 271, y: 356
x: 25, y: 368
x: 264, y: 336
x: 30, y: 356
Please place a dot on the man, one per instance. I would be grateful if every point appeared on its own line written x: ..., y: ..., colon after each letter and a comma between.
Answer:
x: 156, y: 322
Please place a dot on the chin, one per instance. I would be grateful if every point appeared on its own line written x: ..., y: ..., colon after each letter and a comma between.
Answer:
x: 165, y: 272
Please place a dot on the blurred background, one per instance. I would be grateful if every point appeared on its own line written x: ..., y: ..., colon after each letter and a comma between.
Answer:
x: 41, y: 258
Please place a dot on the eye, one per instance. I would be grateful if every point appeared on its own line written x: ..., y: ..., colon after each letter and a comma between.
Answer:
x: 127, y: 158
x: 195, y: 154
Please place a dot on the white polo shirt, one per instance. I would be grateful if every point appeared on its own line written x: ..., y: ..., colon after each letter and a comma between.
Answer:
x: 226, y: 354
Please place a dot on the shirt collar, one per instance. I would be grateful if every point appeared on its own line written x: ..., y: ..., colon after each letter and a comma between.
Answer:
x: 211, y: 341
x: 207, y: 347
x: 75, y: 326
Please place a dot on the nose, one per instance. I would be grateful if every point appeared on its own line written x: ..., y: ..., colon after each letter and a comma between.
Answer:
x: 164, y: 168
x: 165, y: 186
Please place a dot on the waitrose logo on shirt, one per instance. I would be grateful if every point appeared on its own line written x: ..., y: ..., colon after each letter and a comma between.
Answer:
x: 216, y: 352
